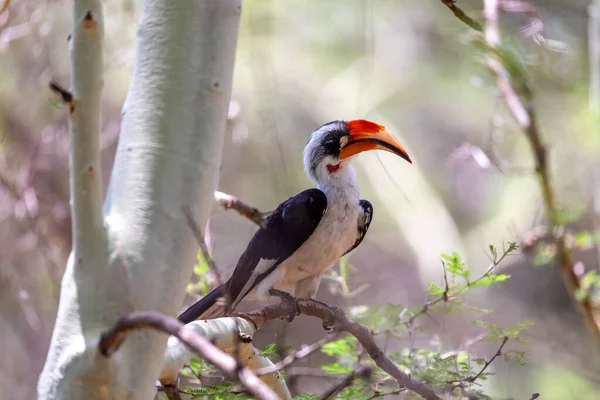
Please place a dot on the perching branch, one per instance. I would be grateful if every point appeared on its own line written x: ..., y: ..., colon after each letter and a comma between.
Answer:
x: 336, y: 318
x: 460, y: 14
x: 228, y: 201
x: 111, y: 340
x: 518, y: 96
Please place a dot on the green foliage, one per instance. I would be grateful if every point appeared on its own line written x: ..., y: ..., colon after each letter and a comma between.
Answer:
x: 432, y: 366
x: 345, y: 352
x: 198, y: 367
x: 455, y: 266
x: 201, y: 270
x: 589, y: 286
x: 307, y: 396
x: 274, y: 352
x: 217, y: 391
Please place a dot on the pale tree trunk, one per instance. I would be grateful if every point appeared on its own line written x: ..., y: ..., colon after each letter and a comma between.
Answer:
x: 139, y: 257
x: 594, y: 55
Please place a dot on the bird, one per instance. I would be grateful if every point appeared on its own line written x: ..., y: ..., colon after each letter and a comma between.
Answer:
x: 309, y: 232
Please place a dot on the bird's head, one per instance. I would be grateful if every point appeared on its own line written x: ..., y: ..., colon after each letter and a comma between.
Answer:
x: 333, y: 144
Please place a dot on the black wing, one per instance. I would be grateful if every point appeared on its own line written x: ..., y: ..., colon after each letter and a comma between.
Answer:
x: 364, y: 221
x: 287, y: 228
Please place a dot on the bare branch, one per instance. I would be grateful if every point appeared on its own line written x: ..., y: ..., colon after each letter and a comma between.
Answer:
x: 65, y: 95
x: 228, y: 202
x: 518, y: 96
x: 336, y: 318
x: 460, y: 14
x: 111, y: 340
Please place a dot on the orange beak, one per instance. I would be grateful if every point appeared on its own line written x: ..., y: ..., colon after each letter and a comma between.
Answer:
x: 366, y: 135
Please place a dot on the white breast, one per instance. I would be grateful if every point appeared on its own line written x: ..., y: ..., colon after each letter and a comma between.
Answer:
x: 334, y: 236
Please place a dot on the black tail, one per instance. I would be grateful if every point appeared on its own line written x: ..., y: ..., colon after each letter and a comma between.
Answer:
x: 200, y: 307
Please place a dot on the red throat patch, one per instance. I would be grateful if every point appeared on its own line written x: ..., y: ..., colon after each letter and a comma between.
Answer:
x: 332, y: 168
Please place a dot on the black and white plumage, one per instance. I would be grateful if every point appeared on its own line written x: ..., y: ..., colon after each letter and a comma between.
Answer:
x: 308, y: 233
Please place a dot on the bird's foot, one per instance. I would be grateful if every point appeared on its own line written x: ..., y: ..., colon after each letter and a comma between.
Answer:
x: 329, y: 324
x: 285, y: 297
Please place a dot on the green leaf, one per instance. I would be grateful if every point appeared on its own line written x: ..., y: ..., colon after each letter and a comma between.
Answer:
x: 336, y: 368
x: 488, y: 280
x: 434, y: 290
x: 273, y: 351
x: 455, y: 265
x: 340, y: 347
x: 585, y: 240
x: 307, y: 396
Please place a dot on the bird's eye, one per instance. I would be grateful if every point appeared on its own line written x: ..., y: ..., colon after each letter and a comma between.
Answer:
x: 331, y: 145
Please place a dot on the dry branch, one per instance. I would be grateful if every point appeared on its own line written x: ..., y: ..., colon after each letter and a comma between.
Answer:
x: 518, y: 96
x: 111, y: 340
x: 228, y: 201
x: 460, y: 14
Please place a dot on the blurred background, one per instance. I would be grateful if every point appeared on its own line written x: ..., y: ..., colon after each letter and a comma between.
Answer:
x: 408, y: 64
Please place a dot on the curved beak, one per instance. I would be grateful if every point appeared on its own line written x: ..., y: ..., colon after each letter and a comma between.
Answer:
x: 366, y: 135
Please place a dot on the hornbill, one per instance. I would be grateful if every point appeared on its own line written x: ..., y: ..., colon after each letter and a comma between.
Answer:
x: 308, y: 233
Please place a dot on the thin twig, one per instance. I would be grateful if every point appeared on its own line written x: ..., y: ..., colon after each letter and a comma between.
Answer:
x: 228, y: 201
x: 379, y: 394
x: 487, y: 363
x: 520, y: 105
x: 446, y: 287
x: 293, y: 356
x: 336, y: 318
x: 460, y: 14
x: 447, y: 296
x: 213, y: 267
x: 111, y: 340
x: 65, y: 95
x: 360, y: 372
x: 308, y: 371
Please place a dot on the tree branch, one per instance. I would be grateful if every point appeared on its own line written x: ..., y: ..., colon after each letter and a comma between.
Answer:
x: 460, y: 14
x: 293, y: 356
x: 222, y: 332
x: 491, y: 360
x: 228, y: 202
x: 336, y: 318
x: 111, y: 340
x: 518, y: 96
x: 360, y: 372
x: 84, y: 127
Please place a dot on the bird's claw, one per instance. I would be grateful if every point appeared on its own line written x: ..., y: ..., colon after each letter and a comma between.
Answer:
x: 287, y: 298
